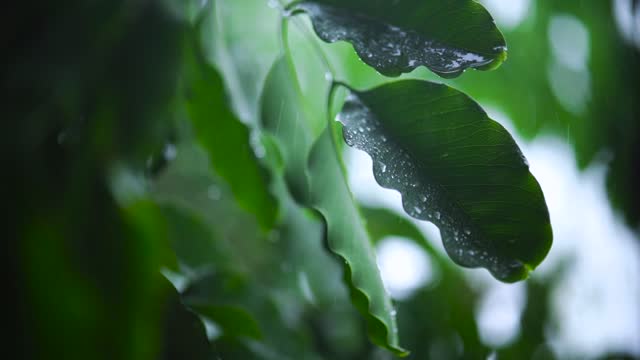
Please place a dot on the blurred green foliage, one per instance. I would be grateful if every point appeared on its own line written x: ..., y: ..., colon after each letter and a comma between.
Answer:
x: 113, y: 187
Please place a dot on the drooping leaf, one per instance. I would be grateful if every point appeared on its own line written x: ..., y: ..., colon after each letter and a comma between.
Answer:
x: 226, y: 139
x: 313, y: 172
x: 456, y: 168
x: 347, y: 237
x: 395, y: 37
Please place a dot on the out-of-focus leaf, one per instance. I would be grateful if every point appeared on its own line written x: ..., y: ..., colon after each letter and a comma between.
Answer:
x: 319, y: 182
x: 395, y: 37
x: 185, y: 336
x: 532, y: 340
x: 234, y: 321
x: 226, y: 139
x: 285, y: 115
x: 456, y: 168
x: 192, y: 240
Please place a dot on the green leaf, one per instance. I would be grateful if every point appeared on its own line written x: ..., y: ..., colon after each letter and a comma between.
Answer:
x: 456, y: 168
x: 185, y: 336
x: 313, y: 172
x: 395, y: 37
x: 347, y: 237
x: 234, y: 320
x: 227, y: 140
x: 286, y: 116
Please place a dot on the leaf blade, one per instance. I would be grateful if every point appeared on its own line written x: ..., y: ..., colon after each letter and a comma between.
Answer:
x: 227, y: 140
x: 313, y: 172
x: 456, y: 168
x: 394, y: 38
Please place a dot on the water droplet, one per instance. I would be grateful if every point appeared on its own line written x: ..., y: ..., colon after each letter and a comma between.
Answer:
x: 361, y: 129
x: 383, y: 167
x: 328, y: 76
x: 417, y: 209
x: 424, y: 198
x: 467, y: 231
x: 437, y: 215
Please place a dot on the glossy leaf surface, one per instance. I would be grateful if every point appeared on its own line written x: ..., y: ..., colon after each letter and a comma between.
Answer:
x: 456, y: 168
x: 395, y: 37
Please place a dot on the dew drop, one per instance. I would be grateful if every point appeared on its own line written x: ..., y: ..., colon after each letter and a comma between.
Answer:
x: 437, y: 215
x: 417, y: 209
x: 467, y: 231
x: 383, y: 167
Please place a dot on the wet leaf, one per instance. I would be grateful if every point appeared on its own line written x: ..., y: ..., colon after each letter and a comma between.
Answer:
x: 227, y: 140
x: 348, y: 238
x: 456, y: 168
x: 395, y: 37
x: 319, y: 182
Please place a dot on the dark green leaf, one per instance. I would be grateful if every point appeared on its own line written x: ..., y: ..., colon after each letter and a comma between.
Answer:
x: 227, y: 140
x: 184, y: 333
x: 454, y: 167
x: 316, y: 177
x: 395, y: 37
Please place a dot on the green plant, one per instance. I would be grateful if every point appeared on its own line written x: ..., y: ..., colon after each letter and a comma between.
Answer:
x: 89, y: 130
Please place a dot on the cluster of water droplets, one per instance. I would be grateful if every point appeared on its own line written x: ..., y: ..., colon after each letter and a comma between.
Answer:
x: 390, y: 49
x: 395, y: 168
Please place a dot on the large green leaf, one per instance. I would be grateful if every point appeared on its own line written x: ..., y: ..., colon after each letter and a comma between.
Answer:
x: 395, y: 37
x: 314, y: 173
x: 456, y: 168
x: 226, y: 139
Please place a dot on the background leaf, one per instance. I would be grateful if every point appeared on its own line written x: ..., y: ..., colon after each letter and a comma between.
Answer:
x: 319, y: 182
x: 395, y: 37
x: 454, y: 167
x: 226, y: 139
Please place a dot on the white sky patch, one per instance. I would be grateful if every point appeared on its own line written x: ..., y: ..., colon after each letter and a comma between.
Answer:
x: 499, y: 311
x: 508, y: 13
x: 627, y: 20
x: 569, y: 40
x: 403, y: 265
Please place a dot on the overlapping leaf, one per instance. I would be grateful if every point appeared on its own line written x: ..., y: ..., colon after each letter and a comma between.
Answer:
x: 456, y: 168
x: 395, y: 37
x: 226, y: 139
x: 440, y: 314
x: 314, y: 171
